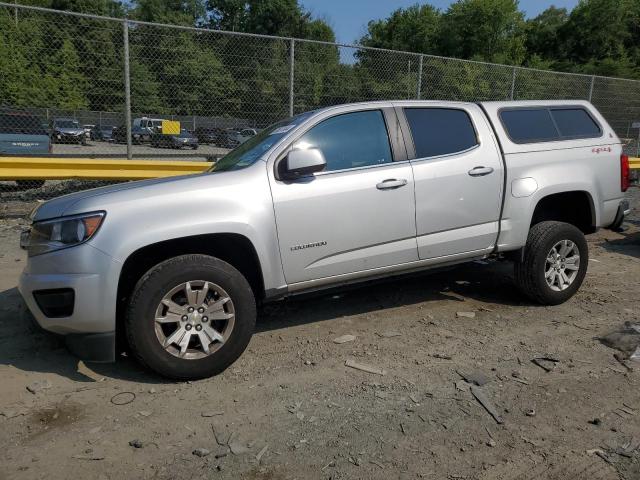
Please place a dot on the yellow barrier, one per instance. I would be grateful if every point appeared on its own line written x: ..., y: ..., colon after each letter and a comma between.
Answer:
x: 30, y: 168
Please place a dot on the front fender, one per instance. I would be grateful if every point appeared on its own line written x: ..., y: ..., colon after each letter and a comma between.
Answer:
x: 236, y: 202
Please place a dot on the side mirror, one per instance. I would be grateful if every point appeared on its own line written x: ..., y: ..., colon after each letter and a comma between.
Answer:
x: 302, y: 163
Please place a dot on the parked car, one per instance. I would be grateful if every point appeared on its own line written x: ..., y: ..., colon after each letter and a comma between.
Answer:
x: 102, y: 132
x: 87, y: 130
x: 242, y: 135
x: 184, y: 139
x: 339, y: 195
x: 209, y: 135
x: 142, y: 129
x: 23, y: 134
x: 67, y: 130
x: 228, y: 138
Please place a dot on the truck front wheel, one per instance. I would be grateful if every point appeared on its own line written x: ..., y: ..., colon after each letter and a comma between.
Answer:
x: 554, y: 264
x: 190, y: 317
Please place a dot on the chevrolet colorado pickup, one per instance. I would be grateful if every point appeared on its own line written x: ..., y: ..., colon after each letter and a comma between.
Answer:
x: 333, y: 196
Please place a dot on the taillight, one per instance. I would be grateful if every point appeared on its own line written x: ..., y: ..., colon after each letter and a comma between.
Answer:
x: 624, y: 172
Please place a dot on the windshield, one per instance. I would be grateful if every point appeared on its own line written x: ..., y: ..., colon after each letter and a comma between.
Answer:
x: 66, y: 124
x: 250, y: 151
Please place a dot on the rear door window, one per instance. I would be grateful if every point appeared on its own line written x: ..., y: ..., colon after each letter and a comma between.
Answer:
x: 440, y: 131
x: 575, y: 123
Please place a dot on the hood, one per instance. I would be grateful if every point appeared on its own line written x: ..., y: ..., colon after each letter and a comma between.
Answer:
x: 123, y: 194
x: 65, y: 204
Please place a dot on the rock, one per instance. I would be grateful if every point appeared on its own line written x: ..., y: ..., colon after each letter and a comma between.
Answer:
x: 152, y: 390
x: 344, y: 339
x: 238, y: 448
x: 462, y: 385
x: 145, y: 413
x: 365, y: 368
x: 221, y: 451
x: 474, y: 378
x: 486, y: 403
x: 596, y: 421
x: 38, y: 386
x: 211, y: 414
x: 442, y: 356
x: 136, y: 443
x: 466, y: 314
x: 389, y: 334
x: 547, y: 363
x: 261, y: 453
x: 201, y: 452
x: 530, y: 413
x: 13, y: 412
x: 491, y: 442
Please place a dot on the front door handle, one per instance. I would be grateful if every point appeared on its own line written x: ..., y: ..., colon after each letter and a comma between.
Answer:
x: 480, y: 171
x: 391, y: 183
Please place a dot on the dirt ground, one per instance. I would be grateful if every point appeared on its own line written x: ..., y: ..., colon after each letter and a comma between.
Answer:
x: 291, y: 409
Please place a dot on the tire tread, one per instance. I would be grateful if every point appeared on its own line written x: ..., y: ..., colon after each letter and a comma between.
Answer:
x: 145, y: 283
x: 527, y: 270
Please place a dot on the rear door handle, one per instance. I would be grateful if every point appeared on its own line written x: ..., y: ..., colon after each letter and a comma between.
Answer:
x: 480, y: 171
x: 391, y: 183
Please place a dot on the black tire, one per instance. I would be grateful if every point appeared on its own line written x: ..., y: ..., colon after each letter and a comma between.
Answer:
x: 149, y: 291
x: 530, y: 272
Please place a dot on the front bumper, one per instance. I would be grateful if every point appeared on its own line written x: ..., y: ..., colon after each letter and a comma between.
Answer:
x: 68, y: 137
x: 92, y: 276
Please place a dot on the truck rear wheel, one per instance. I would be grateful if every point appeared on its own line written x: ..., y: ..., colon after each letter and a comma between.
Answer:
x: 190, y: 317
x: 554, y: 264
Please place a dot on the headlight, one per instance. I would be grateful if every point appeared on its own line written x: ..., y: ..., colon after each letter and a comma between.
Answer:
x: 64, y: 232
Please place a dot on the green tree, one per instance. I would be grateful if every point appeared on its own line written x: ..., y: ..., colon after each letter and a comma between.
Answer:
x: 175, y: 12
x: 542, y: 34
x: 21, y: 80
x: 601, y: 47
x: 68, y: 85
x: 414, y: 29
x: 487, y: 30
x: 268, y: 17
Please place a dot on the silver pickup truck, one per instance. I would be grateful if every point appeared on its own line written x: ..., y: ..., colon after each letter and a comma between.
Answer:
x: 340, y: 195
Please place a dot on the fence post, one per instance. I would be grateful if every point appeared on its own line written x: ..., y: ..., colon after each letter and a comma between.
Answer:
x: 292, y: 56
x: 593, y: 81
x: 127, y: 87
x: 419, y: 90
x: 513, y: 84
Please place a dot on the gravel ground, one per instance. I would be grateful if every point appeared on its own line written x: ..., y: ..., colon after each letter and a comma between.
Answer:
x: 291, y: 408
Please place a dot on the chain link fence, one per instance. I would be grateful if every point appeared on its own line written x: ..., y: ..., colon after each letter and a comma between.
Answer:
x: 78, y: 85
